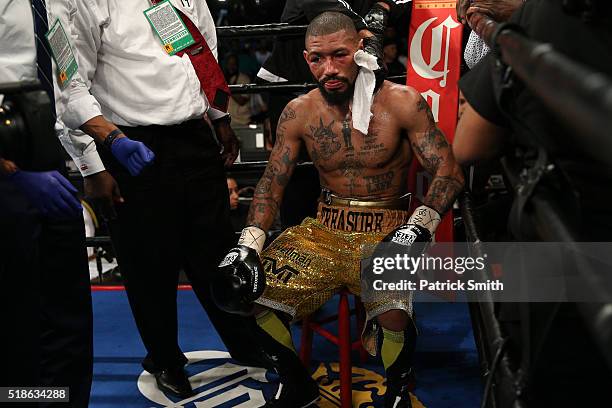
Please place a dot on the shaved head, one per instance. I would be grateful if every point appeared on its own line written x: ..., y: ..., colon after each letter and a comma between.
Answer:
x: 330, y: 22
x: 331, y: 43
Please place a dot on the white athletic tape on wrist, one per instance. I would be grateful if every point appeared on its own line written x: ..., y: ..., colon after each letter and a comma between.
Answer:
x: 253, y: 237
x: 425, y: 217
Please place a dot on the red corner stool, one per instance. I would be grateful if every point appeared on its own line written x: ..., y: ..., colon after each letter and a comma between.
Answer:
x: 342, y: 340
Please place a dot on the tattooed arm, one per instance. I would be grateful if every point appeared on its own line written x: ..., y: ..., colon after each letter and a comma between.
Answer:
x: 269, y: 191
x: 433, y: 152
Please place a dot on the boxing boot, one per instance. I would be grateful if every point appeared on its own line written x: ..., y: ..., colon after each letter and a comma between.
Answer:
x: 295, y: 393
x: 396, y: 349
x: 297, y: 388
x: 397, y: 397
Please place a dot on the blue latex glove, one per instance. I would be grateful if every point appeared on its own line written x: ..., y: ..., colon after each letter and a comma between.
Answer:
x: 50, y: 192
x: 132, y: 154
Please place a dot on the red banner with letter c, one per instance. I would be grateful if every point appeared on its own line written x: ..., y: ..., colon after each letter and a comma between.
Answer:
x: 433, y: 69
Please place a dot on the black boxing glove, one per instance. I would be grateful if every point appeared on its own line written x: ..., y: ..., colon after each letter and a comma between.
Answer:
x: 376, y: 19
x: 240, y: 277
x: 411, y: 238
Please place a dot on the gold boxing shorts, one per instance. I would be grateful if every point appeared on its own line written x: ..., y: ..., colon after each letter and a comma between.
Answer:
x: 309, y: 263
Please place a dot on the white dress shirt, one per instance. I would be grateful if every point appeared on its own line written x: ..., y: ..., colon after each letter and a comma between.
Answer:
x: 80, y: 147
x: 128, y: 77
x: 17, y: 44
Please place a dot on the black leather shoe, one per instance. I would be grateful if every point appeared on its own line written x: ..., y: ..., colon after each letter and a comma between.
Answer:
x: 174, y: 381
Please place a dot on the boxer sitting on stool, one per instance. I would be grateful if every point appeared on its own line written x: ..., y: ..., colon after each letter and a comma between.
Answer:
x: 364, y: 201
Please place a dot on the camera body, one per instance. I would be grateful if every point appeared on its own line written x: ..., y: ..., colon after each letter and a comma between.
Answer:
x: 27, y: 121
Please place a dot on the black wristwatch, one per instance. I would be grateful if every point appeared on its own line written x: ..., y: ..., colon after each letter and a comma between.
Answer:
x: 110, y: 138
x: 223, y: 119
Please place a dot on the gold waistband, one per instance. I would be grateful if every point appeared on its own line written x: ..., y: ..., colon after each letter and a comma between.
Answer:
x: 399, y: 203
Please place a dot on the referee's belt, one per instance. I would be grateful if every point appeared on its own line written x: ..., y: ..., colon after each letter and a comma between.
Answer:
x: 399, y: 203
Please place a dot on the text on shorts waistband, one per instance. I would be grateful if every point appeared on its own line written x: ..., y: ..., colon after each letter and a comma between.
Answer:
x: 358, y: 219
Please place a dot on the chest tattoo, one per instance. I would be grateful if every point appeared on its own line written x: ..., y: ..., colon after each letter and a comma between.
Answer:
x: 326, y: 139
x: 346, y: 133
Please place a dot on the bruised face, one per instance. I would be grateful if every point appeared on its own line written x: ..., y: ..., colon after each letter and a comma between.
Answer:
x: 330, y: 59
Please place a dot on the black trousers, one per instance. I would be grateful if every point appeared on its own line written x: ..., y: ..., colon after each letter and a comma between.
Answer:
x: 175, y: 216
x: 45, y: 300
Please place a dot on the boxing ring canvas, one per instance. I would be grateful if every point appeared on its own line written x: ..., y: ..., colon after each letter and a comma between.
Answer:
x: 446, y: 362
